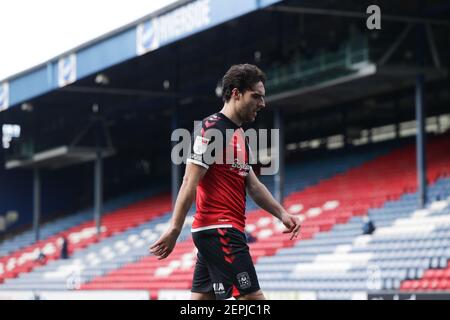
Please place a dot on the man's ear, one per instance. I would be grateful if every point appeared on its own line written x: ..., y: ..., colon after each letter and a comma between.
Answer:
x: 236, y: 94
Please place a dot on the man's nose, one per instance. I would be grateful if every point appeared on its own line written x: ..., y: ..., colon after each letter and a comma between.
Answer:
x: 261, y: 104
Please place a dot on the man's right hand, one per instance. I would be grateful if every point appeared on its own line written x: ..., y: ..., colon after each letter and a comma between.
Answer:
x: 292, y: 223
x: 165, y: 244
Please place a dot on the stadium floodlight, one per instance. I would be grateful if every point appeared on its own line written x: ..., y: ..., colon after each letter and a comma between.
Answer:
x: 9, y: 131
x: 257, y: 55
x: 218, y: 90
x: 166, y: 84
x: 102, y: 79
x: 95, y: 108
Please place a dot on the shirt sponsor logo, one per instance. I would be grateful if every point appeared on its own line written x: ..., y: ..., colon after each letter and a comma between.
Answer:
x: 240, y: 166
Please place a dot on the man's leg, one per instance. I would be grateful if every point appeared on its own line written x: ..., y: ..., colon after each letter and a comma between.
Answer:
x: 202, y: 288
x: 224, y: 266
x: 257, y: 295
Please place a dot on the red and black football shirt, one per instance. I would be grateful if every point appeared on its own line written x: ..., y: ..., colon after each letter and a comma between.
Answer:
x: 219, y: 145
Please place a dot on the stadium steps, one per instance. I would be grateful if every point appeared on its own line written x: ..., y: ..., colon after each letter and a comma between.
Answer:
x: 341, y: 260
x: 320, y: 214
x: 372, y: 191
x: 83, y: 235
x: 328, y: 167
x: 49, y: 229
x: 100, y: 258
x: 179, y: 265
x: 395, y: 263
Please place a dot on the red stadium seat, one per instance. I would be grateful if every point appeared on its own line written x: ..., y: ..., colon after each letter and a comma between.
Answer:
x: 116, y: 221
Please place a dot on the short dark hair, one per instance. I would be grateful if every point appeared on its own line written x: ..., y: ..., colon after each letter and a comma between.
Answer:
x: 242, y: 77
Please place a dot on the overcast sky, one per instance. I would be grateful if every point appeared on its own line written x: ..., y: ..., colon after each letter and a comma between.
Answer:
x: 34, y: 31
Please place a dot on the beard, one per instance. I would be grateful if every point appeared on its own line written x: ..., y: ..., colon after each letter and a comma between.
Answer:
x: 249, y: 114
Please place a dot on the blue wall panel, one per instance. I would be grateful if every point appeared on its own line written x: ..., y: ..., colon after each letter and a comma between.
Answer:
x: 106, y: 53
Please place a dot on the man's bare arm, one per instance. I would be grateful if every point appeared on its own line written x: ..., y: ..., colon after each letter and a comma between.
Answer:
x: 263, y: 198
x: 165, y: 244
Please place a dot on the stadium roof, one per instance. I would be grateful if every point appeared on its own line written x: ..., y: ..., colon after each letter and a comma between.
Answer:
x: 165, y: 26
x: 140, y: 75
x: 176, y: 23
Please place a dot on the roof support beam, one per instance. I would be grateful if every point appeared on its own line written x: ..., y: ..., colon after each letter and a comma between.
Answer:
x: 354, y: 14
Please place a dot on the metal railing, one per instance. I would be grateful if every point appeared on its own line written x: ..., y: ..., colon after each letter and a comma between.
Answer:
x: 323, y: 67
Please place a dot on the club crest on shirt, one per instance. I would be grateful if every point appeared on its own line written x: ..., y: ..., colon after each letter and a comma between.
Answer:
x: 244, y: 280
x: 200, y: 145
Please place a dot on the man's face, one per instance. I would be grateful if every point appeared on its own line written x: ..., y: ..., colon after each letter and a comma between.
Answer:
x: 251, y: 102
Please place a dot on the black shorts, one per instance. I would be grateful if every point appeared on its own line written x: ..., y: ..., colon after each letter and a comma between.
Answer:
x: 224, y: 264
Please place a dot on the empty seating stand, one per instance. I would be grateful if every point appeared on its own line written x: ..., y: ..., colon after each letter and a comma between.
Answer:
x: 408, y: 251
x: 82, y: 235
